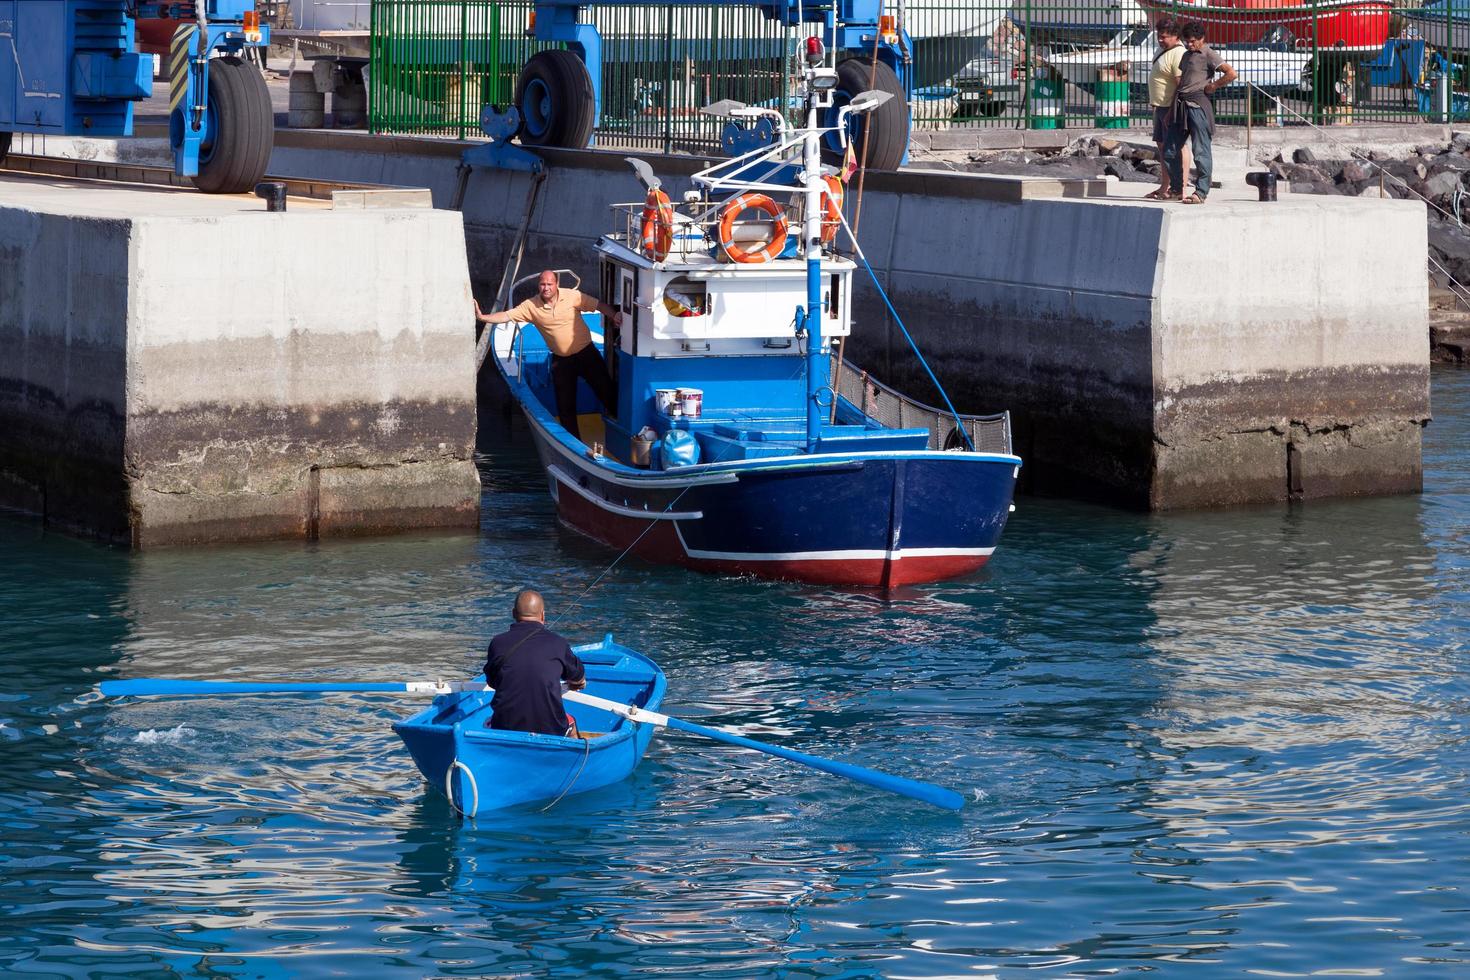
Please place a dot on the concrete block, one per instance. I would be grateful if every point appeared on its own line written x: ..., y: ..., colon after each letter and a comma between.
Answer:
x: 191, y: 369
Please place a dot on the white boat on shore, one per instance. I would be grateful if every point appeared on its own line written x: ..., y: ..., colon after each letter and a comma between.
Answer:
x: 1070, y: 22
x: 1276, y: 69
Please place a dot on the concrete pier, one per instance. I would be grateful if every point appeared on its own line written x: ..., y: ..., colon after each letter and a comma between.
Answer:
x: 182, y: 368
x: 1158, y: 356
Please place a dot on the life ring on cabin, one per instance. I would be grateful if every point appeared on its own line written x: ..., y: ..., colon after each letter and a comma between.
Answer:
x: 760, y: 202
x: 658, y: 225
x: 831, y: 208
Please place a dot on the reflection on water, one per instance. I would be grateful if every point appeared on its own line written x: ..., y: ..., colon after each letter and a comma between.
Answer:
x: 1235, y: 740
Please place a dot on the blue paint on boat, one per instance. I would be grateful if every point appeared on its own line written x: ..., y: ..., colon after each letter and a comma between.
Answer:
x: 481, y: 769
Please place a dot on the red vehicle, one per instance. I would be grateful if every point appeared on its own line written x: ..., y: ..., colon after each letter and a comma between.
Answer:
x: 1343, y: 26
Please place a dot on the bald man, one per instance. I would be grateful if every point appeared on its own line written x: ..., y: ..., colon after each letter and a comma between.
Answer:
x: 557, y: 313
x: 526, y: 665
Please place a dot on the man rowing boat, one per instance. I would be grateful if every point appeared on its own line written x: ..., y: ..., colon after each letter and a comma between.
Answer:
x: 527, y: 665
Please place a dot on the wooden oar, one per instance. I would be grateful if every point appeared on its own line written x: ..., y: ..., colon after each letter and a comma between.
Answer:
x: 156, y: 686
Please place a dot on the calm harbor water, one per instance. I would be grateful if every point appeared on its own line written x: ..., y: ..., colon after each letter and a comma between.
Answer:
x: 1216, y: 744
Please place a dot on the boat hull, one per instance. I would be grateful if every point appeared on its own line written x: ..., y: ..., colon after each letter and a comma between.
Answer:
x: 1345, y: 27
x: 876, y: 520
x: 481, y: 769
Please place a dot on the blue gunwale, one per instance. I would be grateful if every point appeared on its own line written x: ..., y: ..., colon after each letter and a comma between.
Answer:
x: 619, y: 472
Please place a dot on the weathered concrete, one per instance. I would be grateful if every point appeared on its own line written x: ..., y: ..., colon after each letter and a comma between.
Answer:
x: 1161, y: 356
x: 184, y: 368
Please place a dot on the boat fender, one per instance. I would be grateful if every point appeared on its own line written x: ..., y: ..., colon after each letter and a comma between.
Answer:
x: 658, y: 225
x: 679, y: 448
x: 760, y: 202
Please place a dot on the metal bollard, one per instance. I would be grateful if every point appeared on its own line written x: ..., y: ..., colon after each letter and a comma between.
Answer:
x: 1264, y: 181
x: 274, y: 193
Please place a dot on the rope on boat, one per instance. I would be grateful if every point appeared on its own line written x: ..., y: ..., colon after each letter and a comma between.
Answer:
x: 613, y: 564
x: 586, y: 751
x: 959, y: 424
x: 449, y: 788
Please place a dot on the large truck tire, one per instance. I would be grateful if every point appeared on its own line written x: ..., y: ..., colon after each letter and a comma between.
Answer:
x: 4, y: 146
x: 887, y: 126
x: 554, y: 96
x: 239, y: 148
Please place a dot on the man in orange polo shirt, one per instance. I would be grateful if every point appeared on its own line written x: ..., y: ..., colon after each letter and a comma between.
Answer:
x: 557, y: 314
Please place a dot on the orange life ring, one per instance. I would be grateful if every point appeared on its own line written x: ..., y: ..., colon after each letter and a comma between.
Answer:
x: 759, y: 202
x: 831, y: 207
x: 658, y: 225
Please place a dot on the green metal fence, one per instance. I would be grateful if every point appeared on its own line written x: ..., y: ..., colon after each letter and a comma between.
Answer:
x: 434, y: 63
x: 1031, y: 64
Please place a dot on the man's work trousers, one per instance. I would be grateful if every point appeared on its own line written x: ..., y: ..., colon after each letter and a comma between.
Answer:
x: 588, y: 365
x: 1197, y: 131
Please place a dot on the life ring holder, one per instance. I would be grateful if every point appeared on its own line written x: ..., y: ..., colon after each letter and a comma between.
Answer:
x: 759, y: 202
x: 658, y: 225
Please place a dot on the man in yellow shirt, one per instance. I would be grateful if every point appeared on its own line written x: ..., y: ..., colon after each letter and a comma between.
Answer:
x: 557, y: 314
x: 1163, y: 82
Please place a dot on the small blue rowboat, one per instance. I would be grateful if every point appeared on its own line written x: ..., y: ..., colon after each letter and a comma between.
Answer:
x: 480, y: 768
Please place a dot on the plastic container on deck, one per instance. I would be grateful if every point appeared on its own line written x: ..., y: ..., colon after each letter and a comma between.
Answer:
x: 691, y: 400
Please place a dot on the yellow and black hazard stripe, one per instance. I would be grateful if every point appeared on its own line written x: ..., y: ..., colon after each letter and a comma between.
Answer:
x: 178, y: 63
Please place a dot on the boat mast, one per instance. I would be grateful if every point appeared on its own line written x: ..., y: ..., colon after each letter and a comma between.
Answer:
x: 817, y: 83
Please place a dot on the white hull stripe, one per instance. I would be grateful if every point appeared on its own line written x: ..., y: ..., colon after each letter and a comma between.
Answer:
x: 856, y: 553
x: 620, y: 509
x: 841, y: 555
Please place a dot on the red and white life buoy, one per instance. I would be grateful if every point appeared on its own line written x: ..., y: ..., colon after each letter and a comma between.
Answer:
x: 658, y: 225
x: 773, y: 246
x: 831, y: 207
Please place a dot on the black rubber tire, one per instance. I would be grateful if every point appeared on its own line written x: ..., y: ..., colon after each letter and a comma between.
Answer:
x: 888, y: 128
x: 563, y: 109
x: 4, y: 146
x: 235, y: 159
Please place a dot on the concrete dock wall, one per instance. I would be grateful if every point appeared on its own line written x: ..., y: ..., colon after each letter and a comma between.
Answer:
x: 183, y: 369
x: 1156, y: 356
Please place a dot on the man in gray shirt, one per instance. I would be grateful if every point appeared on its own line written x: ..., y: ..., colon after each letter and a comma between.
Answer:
x: 1196, y: 84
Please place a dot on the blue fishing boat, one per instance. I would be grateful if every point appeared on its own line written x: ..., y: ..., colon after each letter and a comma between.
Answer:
x: 738, y: 443
x: 480, y: 768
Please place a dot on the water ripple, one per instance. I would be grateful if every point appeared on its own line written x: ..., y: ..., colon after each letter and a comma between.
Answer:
x: 1232, y: 740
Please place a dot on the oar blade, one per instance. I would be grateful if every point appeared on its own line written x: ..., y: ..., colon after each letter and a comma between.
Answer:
x: 927, y: 792
x: 164, y: 687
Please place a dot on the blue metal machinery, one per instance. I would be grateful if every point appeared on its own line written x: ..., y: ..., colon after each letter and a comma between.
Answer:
x: 68, y: 67
x: 559, y: 92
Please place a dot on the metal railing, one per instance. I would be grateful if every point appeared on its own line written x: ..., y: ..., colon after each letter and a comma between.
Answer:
x: 988, y: 433
x: 1040, y: 64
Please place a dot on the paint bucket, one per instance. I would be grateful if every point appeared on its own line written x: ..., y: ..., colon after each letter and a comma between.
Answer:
x: 641, y: 445
x: 664, y: 400
x: 691, y: 400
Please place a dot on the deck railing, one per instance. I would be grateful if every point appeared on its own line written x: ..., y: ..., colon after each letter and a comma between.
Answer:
x: 1037, y: 64
x: 988, y: 433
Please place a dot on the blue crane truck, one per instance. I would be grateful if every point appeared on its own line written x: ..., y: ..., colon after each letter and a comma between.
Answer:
x: 73, y: 68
